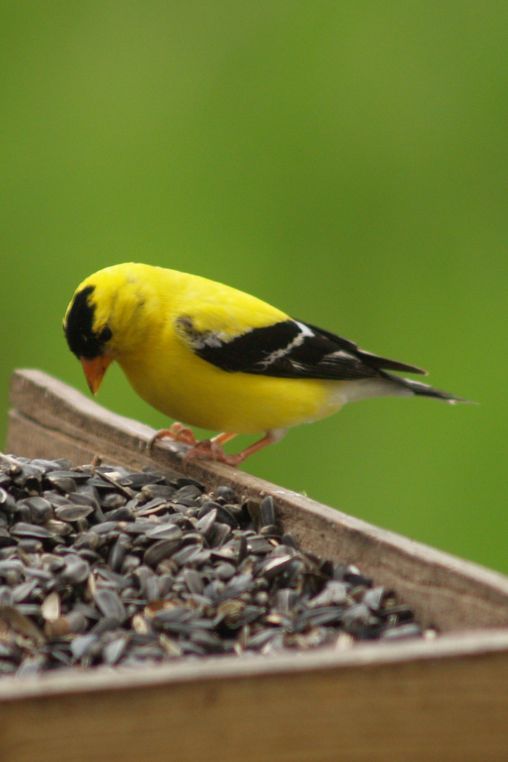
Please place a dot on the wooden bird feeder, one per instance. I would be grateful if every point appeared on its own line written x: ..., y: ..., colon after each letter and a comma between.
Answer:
x: 445, y: 698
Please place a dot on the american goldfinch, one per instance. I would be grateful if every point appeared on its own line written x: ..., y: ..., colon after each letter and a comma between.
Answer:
x: 220, y: 359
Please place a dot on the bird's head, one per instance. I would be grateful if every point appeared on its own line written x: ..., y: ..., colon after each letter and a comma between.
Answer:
x: 102, y: 322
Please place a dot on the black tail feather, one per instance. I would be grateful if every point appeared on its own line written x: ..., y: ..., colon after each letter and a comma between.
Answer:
x: 384, y: 363
x: 424, y: 390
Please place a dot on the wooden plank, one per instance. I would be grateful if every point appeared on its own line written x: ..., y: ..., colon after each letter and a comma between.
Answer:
x: 400, y: 709
x: 51, y: 418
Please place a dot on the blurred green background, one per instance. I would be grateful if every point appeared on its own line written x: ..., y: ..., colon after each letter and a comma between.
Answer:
x: 346, y: 161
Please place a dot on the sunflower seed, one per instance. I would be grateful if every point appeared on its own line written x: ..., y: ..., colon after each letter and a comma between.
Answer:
x: 50, y: 608
x: 23, y: 529
x: 187, y: 554
x: 159, y: 551
x: 73, y: 512
x: 332, y: 593
x: 110, y: 604
x: 206, y: 522
x: 167, y: 531
x: 40, y: 509
x: 83, y: 645
x: 113, y: 651
x: 24, y: 591
x: 76, y: 570
x: 113, y: 500
x: 225, y: 493
x: 63, y: 481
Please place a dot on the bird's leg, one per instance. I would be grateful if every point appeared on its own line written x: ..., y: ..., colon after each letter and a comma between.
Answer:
x: 275, y: 435
x: 221, y: 439
x: 177, y: 432
x: 211, y: 449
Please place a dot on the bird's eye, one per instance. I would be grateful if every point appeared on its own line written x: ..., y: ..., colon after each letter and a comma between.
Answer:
x: 105, y: 334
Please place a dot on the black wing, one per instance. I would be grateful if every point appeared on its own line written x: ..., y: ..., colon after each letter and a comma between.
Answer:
x: 288, y: 349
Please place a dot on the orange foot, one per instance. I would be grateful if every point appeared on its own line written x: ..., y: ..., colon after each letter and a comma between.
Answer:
x: 211, y: 449
x: 207, y: 449
x: 177, y: 432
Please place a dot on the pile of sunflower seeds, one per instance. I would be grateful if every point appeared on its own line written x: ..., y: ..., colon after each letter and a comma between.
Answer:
x: 102, y: 566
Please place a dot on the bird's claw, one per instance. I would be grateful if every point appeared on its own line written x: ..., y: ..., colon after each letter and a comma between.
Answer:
x: 211, y: 449
x: 207, y: 449
x: 177, y: 432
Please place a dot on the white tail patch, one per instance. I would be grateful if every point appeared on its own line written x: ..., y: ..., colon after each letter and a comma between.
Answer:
x: 364, y: 388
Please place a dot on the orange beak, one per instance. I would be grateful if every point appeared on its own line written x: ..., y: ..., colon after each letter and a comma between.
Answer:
x: 94, y: 371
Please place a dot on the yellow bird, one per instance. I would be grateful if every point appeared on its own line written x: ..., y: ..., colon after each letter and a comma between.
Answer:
x: 220, y: 359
